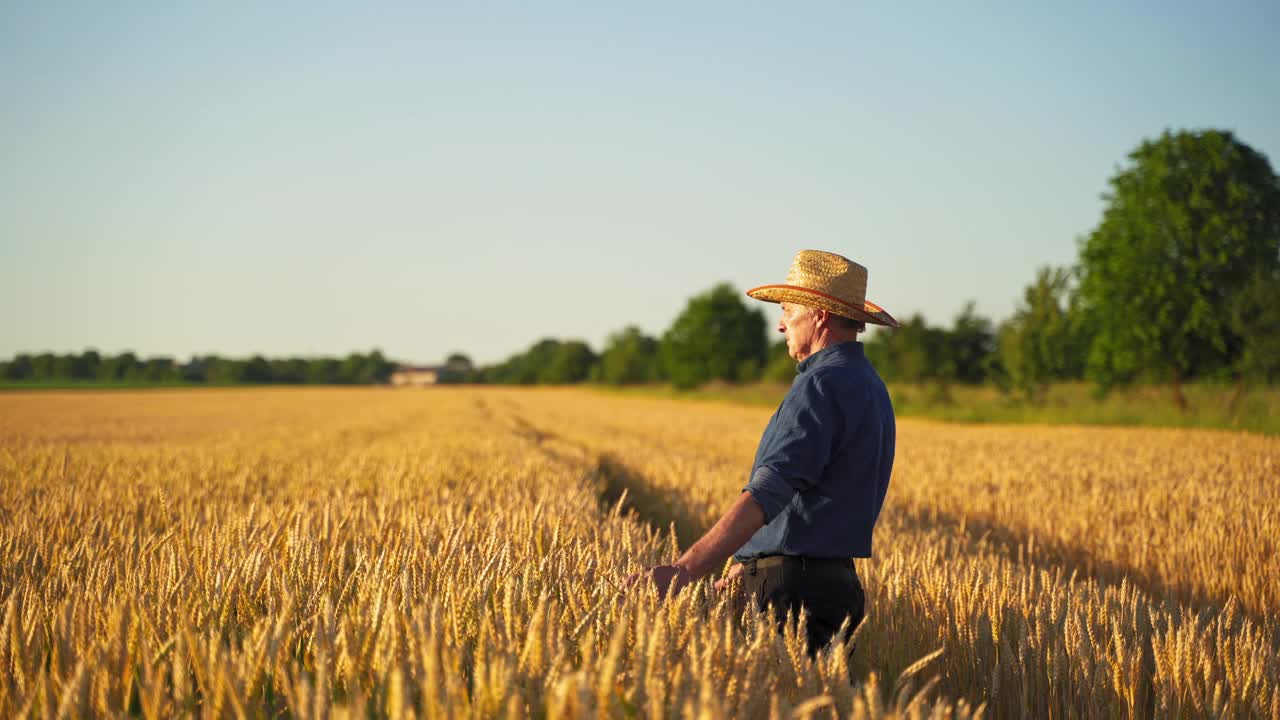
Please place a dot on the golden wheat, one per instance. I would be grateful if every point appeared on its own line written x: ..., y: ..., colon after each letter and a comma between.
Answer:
x: 1065, y: 571
x: 457, y: 553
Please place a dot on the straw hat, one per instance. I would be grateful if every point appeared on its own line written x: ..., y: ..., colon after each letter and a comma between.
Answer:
x: 828, y: 282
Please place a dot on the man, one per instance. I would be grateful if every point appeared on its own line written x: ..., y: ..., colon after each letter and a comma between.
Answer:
x: 822, y: 468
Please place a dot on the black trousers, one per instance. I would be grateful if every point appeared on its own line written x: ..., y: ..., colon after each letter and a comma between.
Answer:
x: 828, y: 589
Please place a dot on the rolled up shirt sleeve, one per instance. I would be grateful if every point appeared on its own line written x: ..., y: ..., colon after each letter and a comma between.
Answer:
x: 796, y: 447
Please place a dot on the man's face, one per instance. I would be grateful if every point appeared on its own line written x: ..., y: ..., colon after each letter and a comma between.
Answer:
x: 800, y: 324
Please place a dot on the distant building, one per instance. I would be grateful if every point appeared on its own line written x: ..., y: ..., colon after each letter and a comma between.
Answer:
x: 409, y: 376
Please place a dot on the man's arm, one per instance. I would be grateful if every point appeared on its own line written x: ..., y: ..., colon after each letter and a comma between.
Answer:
x: 730, y: 532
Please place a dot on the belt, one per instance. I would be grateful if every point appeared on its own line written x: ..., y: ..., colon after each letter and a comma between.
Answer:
x: 752, y: 566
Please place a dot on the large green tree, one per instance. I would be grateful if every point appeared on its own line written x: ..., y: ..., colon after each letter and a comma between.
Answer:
x: 716, y: 337
x: 1185, y: 223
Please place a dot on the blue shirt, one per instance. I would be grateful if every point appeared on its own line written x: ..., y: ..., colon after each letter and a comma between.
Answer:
x: 823, y: 465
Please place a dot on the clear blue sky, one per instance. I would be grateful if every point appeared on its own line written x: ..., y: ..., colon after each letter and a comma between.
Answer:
x: 325, y: 177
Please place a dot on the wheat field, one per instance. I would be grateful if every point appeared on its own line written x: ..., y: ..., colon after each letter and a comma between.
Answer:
x: 458, y: 552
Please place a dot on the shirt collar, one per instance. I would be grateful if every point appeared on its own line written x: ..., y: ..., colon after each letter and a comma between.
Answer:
x: 828, y: 355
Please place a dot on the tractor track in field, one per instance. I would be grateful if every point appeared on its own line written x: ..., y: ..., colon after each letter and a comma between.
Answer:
x: 615, y: 480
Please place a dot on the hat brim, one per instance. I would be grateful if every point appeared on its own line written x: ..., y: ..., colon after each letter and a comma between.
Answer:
x: 869, y: 312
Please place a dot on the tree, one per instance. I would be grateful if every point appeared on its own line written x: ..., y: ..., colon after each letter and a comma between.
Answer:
x: 195, y: 371
x: 117, y: 368
x: 1185, y: 223
x: 571, y: 363
x: 525, y: 368
x: 1044, y: 339
x: 914, y: 352
x: 529, y: 367
x: 42, y: 366
x: 350, y: 369
x: 64, y: 367
x: 224, y: 371
x: 357, y: 369
x: 292, y: 371
x: 458, y: 368
x: 255, y: 370
x: 780, y: 366
x: 323, y: 371
x: 159, y: 370
x: 459, y: 363
x: 377, y: 368
x: 1255, y: 318
x: 716, y: 337
x: 20, y: 368
x: 971, y: 343
x: 630, y: 357
x: 85, y: 367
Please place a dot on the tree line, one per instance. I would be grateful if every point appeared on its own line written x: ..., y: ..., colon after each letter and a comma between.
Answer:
x: 1179, y: 281
x: 722, y: 336
x: 128, y: 368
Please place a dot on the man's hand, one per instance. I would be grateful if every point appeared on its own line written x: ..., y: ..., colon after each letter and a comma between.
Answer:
x: 669, y: 579
x: 711, y: 550
x: 735, y: 572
